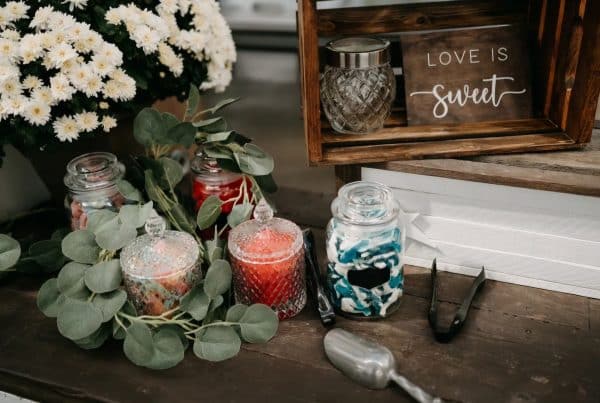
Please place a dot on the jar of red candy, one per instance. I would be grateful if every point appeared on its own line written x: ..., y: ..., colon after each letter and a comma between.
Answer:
x: 267, y: 258
x: 92, y: 183
x: 210, y: 179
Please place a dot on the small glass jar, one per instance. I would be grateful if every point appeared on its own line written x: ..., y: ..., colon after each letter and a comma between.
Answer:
x: 160, y: 267
x: 358, y: 85
x: 365, y: 241
x: 92, y: 183
x: 267, y: 258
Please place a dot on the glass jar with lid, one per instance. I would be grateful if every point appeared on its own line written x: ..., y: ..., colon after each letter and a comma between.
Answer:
x: 160, y: 267
x: 267, y: 258
x: 358, y: 85
x: 91, y: 181
x: 365, y: 247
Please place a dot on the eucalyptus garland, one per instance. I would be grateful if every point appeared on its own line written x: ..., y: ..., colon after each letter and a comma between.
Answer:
x: 88, y: 298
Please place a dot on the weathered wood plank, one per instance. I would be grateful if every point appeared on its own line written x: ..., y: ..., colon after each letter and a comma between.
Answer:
x: 418, y: 17
x: 594, y: 312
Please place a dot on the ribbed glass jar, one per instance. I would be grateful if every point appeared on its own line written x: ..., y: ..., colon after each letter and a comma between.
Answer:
x: 365, y: 248
x: 91, y: 180
x: 358, y: 85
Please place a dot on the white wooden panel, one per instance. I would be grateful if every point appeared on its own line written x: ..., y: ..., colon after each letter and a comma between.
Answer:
x: 504, y: 239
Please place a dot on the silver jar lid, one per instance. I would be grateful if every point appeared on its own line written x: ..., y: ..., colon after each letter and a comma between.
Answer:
x: 358, y: 52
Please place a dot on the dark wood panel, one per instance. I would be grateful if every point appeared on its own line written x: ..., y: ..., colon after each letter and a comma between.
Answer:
x: 448, y: 148
x: 441, y: 132
x: 419, y: 17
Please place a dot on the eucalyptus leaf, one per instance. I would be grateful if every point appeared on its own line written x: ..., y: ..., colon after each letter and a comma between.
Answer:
x: 192, y: 102
x: 239, y: 214
x: 94, y: 340
x: 135, y: 215
x: 70, y: 280
x: 217, y: 343
x: 10, y: 251
x: 213, y: 125
x: 218, y: 278
x: 129, y: 191
x: 196, y: 303
x: 148, y: 127
x: 48, y: 298
x: 218, y: 152
x: 221, y: 105
x: 138, y: 345
x: 183, y: 133
x: 173, y: 171
x: 169, y: 120
x: 258, y: 324
x: 81, y: 247
x: 115, y: 235
x: 78, y: 319
x: 182, y: 218
x: 104, y: 276
x: 168, y: 350
x: 97, y: 219
x: 254, y: 161
x: 215, y: 303
x: 266, y: 183
x: 110, y: 303
x: 60, y: 233
x: 209, y: 212
x: 218, y: 137
x: 47, y: 253
x: 235, y: 313
x: 152, y: 187
x: 214, y: 249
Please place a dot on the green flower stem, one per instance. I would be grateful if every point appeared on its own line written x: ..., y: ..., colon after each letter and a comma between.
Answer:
x: 211, y: 325
x: 119, y: 321
x: 91, y: 297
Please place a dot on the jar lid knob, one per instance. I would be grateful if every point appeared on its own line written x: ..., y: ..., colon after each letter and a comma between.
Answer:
x: 263, y: 212
x: 155, y: 225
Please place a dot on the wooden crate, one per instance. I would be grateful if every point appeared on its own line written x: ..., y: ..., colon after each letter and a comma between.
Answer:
x: 564, y: 38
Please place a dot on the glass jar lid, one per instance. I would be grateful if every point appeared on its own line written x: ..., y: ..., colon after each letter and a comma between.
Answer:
x: 208, y: 171
x: 93, y: 171
x: 265, y: 239
x: 358, y: 52
x: 159, y: 253
x: 365, y: 203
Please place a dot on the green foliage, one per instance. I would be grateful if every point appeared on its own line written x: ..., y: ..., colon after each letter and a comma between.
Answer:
x: 209, y: 212
x: 218, y: 278
x: 217, y: 344
x: 78, y: 319
x: 80, y: 246
x: 103, y: 276
x: 10, y: 251
x: 258, y: 324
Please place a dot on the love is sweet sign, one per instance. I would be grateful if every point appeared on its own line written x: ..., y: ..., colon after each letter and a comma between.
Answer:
x: 462, y: 76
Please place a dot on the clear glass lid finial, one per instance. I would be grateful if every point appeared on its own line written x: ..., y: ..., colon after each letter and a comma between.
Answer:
x: 263, y: 212
x: 155, y: 225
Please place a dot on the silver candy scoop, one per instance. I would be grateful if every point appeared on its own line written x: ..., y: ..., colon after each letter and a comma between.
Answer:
x: 368, y: 363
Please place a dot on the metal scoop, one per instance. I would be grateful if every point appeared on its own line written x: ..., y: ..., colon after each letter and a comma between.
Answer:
x: 368, y: 363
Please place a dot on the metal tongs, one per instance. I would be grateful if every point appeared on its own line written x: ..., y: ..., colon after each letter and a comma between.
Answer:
x: 444, y: 335
x: 326, y: 312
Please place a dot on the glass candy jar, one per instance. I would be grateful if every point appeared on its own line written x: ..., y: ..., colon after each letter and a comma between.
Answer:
x: 92, y: 183
x: 267, y: 258
x: 159, y: 268
x: 365, y: 241
x: 358, y: 85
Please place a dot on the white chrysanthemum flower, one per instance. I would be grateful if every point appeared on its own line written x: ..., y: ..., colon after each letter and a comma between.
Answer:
x: 4, y: 18
x: 37, y: 113
x: 93, y: 86
x: 113, y: 16
x: 43, y: 94
x: 41, y: 17
x: 11, y: 88
x: 146, y: 38
x: 103, y: 105
x: 77, y: 31
x: 101, y: 65
x: 16, y: 10
x: 168, y: 6
x: 32, y: 82
x: 9, y: 72
x: 59, y: 54
x: 9, y: 50
x: 80, y: 75
x: 73, y: 4
x: 169, y: 58
x: 87, y: 121
x: 11, y: 34
x: 111, y: 53
x: 61, y: 88
x: 108, y: 123
x: 66, y: 129
x: 14, y: 105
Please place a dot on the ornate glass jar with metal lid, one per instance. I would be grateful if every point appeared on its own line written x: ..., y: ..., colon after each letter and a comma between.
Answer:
x: 211, y: 180
x: 160, y: 267
x: 92, y: 183
x: 267, y: 258
x: 358, y: 85
x: 365, y: 247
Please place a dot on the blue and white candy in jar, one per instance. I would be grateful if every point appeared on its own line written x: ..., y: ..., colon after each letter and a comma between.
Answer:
x: 365, y: 242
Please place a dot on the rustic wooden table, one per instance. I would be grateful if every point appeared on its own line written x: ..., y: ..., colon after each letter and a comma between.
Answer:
x: 519, y: 345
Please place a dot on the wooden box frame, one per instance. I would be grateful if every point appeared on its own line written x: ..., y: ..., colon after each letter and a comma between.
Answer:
x: 564, y: 40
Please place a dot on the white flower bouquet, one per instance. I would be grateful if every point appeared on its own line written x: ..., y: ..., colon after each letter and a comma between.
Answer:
x: 71, y: 68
